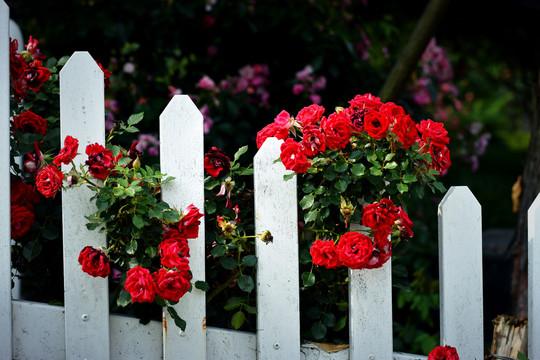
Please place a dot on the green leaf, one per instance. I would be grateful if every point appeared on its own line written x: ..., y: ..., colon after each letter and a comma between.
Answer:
x: 233, y: 303
x: 135, y: 118
x: 311, y: 216
x: 210, y: 207
x: 228, y: 263
x: 375, y: 170
x: 118, y: 191
x: 318, y: 330
x: 151, y: 251
x: 439, y: 186
x: 289, y: 176
x: 155, y: 213
x: 389, y: 156
x: 131, y: 247
x: 402, y: 188
x: 329, y: 319
x: 218, y: 251
x: 240, y: 152
x: 177, y: 320
x: 250, y: 309
x: 202, y: 285
x: 123, y: 161
x: 308, y: 279
x: 391, y: 165
x: 307, y: 201
x: 340, y: 324
x: 409, y: 178
x: 341, y: 185
x: 358, y: 169
x: 209, y: 185
x: 522, y: 356
x: 249, y: 260
x: 238, y: 319
x: 341, y: 166
x: 246, y: 283
x: 123, y: 299
x: 31, y: 250
x: 138, y: 221
x: 130, y: 191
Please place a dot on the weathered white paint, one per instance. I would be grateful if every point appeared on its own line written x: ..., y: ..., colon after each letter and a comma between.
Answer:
x: 182, y: 156
x: 278, y: 297
x: 533, y: 325
x: 460, y: 273
x: 5, y: 222
x: 16, y: 33
x: 223, y: 344
x: 82, y: 115
x: 370, y: 311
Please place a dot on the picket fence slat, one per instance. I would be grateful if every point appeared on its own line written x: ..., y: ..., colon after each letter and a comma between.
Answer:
x: 460, y: 273
x: 82, y: 110
x: 182, y: 156
x: 533, y: 326
x: 5, y: 223
x: 278, y: 336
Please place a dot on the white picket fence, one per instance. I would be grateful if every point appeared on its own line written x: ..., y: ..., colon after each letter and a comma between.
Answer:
x: 84, y: 329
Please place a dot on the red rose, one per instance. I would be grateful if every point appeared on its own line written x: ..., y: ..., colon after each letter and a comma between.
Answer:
x: 23, y: 194
x: 32, y: 49
x: 405, y: 129
x: 188, y: 226
x: 28, y: 122
x: 34, y: 159
x: 171, y: 285
x: 310, y: 115
x: 443, y: 353
x: 293, y: 156
x: 174, y: 253
x: 376, y: 124
x: 356, y: 117
x: 404, y: 224
x: 21, y: 220
x: 17, y: 66
x: 391, y: 109
x: 337, y: 128
x: 49, y: 181
x: 272, y: 130
x: 366, y: 101
x: 68, y: 152
x: 381, y: 254
x: 433, y: 131
x: 380, y: 216
x: 100, y: 161
x: 106, y: 76
x: 324, y: 253
x: 35, y: 75
x: 313, y: 140
x: 216, y: 161
x: 94, y: 262
x: 354, y: 250
x: 140, y: 285
x: 441, y: 157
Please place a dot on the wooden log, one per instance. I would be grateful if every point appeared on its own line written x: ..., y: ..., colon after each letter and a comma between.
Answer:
x: 509, y: 336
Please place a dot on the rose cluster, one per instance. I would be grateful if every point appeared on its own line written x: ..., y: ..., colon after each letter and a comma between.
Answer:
x: 358, y: 251
x: 26, y: 70
x: 366, y: 120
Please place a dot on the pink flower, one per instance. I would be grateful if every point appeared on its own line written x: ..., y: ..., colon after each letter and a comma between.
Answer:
x: 206, y: 83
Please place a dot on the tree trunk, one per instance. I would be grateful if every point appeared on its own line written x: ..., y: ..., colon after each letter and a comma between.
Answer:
x: 530, y: 186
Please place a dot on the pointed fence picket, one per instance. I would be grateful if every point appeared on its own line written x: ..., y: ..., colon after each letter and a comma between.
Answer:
x: 83, y: 327
x: 533, y: 325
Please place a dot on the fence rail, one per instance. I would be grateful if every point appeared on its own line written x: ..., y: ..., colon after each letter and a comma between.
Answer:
x: 83, y: 327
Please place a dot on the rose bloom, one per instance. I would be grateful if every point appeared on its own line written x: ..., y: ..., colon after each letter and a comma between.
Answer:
x: 17, y: 66
x: 293, y: 156
x: 443, y: 353
x: 49, y: 181
x: 433, y: 131
x: 170, y: 284
x: 313, y: 140
x: 35, y: 75
x: 391, y: 109
x: 337, y: 129
x: 216, y: 161
x: 68, y: 152
x: 21, y: 221
x: 380, y: 216
x: 174, y: 253
x: 188, y: 226
x: 140, y: 284
x: 310, y: 115
x: 355, y: 250
x: 272, y: 130
x: 366, y: 101
x: 94, y: 262
x: 29, y: 122
x: 405, y: 129
x: 100, y: 161
x: 376, y: 124
x: 23, y: 194
x: 380, y: 256
x: 324, y: 253
x: 404, y: 224
x: 441, y: 157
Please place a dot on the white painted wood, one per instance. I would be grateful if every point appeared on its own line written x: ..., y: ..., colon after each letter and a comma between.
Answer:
x: 311, y: 351
x: 533, y: 325
x: 370, y: 311
x: 131, y: 340
x: 16, y: 33
x: 82, y: 115
x: 182, y: 156
x: 223, y: 344
x: 278, y: 298
x: 405, y: 356
x: 460, y: 273
x: 5, y: 219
